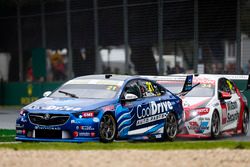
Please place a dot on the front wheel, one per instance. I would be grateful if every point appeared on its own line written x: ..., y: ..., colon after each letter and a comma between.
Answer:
x: 107, y: 128
x: 215, y: 125
x: 245, y: 123
x: 171, y: 127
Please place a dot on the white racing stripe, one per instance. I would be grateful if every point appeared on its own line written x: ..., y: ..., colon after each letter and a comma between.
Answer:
x: 139, y: 131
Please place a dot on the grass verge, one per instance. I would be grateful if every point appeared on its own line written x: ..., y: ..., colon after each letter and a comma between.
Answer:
x: 9, y: 135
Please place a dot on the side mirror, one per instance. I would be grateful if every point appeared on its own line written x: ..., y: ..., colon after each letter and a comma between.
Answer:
x: 130, y: 97
x: 225, y: 95
x: 47, y: 93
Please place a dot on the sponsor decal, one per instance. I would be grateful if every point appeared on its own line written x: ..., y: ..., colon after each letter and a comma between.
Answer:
x: 232, y: 117
x: 193, y: 125
x: 88, y: 114
x: 23, y: 120
x: 151, y: 119
x: 202, y: 111
x: 204, y: 81
x: 204, y: 126
x: 232, y: 105
x: 155, y: 111
x: 216, y: 104
x: 109, y: 108
x: 75, y: 121
x: 224, y: 113
x: 60, y: 108
x: 198, y: 128
x: 86, y: 128
x: 96, y: 119
x: 204, y: 118
x: 47, y: 128
x: 158, y: 136
x: 84, y: 134
x: 92, y: 134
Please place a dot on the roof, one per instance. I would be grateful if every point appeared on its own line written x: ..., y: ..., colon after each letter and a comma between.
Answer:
x: 103, y: 76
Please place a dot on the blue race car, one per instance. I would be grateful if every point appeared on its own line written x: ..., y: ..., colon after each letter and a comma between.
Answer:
x: 104, y: 108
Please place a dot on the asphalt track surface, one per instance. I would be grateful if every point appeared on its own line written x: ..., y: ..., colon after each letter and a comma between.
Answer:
x: 8, y: 120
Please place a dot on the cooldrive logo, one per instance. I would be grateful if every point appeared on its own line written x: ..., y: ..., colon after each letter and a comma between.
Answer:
x: 155, y: 111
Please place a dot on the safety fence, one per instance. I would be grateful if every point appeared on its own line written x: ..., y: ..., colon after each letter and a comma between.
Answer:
x: 158, y: 37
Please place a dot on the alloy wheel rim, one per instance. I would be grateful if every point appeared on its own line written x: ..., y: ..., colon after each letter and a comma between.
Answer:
x: 107, y: 127
x: 215, y: 124
x: 171, y: 126
x: 245, y: 122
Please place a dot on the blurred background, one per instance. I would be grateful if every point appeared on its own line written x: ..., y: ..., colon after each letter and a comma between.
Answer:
x: 46, y: 42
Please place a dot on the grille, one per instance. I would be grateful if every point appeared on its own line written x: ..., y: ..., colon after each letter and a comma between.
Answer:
x: 49, y: 134
x: 48, y: 119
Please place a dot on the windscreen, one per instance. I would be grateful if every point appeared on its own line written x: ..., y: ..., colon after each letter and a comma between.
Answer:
x: 204, y: 89
x: 89, y: 88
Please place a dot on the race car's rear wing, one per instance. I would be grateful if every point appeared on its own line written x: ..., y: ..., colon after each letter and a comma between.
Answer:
x: 188, y: 85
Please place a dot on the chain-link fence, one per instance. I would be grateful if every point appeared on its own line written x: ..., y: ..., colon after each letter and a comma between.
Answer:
x: 154, y: 37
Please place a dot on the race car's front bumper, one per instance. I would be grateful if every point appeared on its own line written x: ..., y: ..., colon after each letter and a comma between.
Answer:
x: 77, y: 140
x: 74, y: 130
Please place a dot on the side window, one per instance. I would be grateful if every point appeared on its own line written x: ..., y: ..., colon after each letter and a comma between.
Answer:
x: 231, y: 86
x: 223, y: 85
x: 133, y: 88
x: 149, y: 89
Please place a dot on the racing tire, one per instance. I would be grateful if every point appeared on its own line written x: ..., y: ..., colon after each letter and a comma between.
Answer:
x: 171, y: 127
x: 215, y: 125
x: 245, y: 122
x: 107, y: 128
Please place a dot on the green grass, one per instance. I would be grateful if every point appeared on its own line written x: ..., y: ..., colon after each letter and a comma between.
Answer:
x: 9, y: 135
x: 127, y: 145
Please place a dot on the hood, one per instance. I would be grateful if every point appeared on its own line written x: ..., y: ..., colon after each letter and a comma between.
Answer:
x: 67, y: 104
x: 190, y: 103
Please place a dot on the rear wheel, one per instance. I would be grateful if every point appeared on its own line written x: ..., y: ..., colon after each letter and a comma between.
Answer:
x: 107, y: 128
x: 245, y: 122
x: 215, y: 125
x: 171, y: 127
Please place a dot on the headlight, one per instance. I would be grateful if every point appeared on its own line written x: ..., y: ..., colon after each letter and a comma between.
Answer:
x: 199, y: 111
x: 23, y: 112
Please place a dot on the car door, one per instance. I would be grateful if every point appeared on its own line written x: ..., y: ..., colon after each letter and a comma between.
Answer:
x: 150, y: 115
x: 230, y: 107
x: 141, y: 112
x: 127, y: 114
